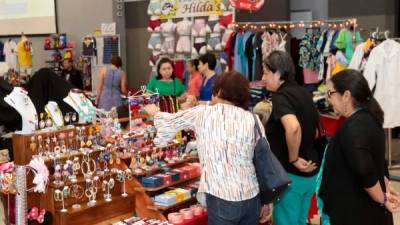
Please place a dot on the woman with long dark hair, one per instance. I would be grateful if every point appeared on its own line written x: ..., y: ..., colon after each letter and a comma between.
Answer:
x: 354, y: 186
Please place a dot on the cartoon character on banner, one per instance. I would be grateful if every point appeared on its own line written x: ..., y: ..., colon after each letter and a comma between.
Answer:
x: 168, y: 7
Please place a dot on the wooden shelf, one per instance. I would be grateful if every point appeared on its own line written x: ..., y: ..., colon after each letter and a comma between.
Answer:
x: 153, y: 171
x: 102, y: 211
x: 165, y: 208
x: 171, y: 184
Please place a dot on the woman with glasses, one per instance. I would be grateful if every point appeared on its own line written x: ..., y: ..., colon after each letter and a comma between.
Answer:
x: 291, y: 130
x: 354, y: 186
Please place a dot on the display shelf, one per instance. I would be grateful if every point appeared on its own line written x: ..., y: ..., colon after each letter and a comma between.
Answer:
x: 153, y: 171
x: 171, y: 184
x: 166, y: 208
x: 22, y: 141
x: 119, y: 206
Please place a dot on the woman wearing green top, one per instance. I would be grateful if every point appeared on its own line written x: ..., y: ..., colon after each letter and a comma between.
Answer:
x: 165, y: 83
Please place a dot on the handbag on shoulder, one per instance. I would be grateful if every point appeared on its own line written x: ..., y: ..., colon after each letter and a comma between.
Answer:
x: 272, y: 178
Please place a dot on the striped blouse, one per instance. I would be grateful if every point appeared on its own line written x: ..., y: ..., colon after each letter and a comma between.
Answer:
x: 225, y: 142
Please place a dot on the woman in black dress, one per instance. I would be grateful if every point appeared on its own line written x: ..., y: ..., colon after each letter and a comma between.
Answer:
x: 355, y: 188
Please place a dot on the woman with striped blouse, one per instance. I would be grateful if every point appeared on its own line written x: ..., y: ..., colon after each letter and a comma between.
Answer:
x: 225, y: 142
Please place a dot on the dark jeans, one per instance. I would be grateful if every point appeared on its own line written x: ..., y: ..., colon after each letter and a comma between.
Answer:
x: 222, y: 212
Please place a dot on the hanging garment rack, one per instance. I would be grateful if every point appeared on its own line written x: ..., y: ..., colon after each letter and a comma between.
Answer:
x: 297, y: 24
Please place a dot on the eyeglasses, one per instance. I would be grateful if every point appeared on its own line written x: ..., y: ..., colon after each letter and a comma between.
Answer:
x: 330, y: 93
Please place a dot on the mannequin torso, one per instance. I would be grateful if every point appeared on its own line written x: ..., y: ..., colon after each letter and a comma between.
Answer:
x: 20, y: 101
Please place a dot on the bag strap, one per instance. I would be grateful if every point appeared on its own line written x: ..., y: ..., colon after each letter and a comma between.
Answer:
x: 257, y: 129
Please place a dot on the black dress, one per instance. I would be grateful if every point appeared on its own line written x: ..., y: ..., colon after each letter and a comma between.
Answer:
x: 355, y: 160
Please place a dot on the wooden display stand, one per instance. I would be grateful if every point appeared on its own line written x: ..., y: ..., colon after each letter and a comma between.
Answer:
x: 139, y: 199
x: 100, y: 212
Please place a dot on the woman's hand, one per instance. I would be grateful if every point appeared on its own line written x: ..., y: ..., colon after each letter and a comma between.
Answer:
x: 265, y: 213
x: 393, y: 199
x: 392, y: 203
x: 151, y: 109
x: 304, y: 166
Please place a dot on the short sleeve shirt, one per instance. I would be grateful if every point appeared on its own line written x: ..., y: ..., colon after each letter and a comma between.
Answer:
x: 165, y: 88
x: 296, y: 100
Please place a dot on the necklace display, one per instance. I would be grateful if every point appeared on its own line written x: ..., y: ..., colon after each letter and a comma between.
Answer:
x: 54, y: 112
x: 21, y: 102
x: 85, y: 109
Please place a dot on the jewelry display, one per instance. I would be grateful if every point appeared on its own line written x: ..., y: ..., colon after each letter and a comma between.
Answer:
x: 21, y: 197
x: 33, y: 145
x: 122, y: 176
x: 76, y: 166
x: 78, y: 101
x: 20, y: 101
x: 88, y: 166
x: 77, y: 193
x: 57, y: 174
x: 106, y: 187
x: 54, y: 113
x: 90, y: 192
x: 59, y: 197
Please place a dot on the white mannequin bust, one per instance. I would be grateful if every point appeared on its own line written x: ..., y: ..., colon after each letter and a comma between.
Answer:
x: 20, y: 101
x: 55, y: 112
x: 75, y: 98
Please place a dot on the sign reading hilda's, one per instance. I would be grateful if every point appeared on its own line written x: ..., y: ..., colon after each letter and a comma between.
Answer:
x: 190, y: 8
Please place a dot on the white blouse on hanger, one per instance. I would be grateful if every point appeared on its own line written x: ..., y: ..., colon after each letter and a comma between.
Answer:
x: 383, y: 72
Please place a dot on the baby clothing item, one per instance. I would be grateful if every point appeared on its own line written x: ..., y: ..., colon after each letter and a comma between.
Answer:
x: 226, y: 5
x: 199, y: 28
x: 282, y: 44
x: 213, y: 25
x: 154, y: 58
x: 226, y: 37
x: 199, y: 47
x: 10, y: 52
x: 155, y: 41
x: 183, y: 45
x: 168, y: 28
x: 225, y: 20
x: 168, y: 45
x: 154, y: 24
x: 184, y: 27
x: 24, y: 53
x: 214, y: 43
x: 154, y: 7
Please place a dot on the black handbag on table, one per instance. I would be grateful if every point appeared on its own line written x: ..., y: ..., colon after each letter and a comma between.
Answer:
x: 272, y: 178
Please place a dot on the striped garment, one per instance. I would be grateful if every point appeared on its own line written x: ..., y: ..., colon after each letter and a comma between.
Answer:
x: 225, y: 142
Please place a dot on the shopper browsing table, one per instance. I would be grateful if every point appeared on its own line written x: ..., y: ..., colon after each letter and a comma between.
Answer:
x: 291, y: 130
x: 354, y: 186
x: 207, y: 64
x: 112, y: 83
x: 195, y: 78
x: 225, y: 141
x: 165, y: 83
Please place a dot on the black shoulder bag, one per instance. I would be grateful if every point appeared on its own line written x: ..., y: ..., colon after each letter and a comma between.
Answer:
x: 272, y: 177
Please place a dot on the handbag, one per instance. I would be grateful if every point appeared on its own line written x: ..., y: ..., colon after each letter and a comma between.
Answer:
x: 271, y: 176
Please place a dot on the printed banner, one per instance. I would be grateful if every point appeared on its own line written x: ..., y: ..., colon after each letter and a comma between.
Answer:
x: 189, y: 8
